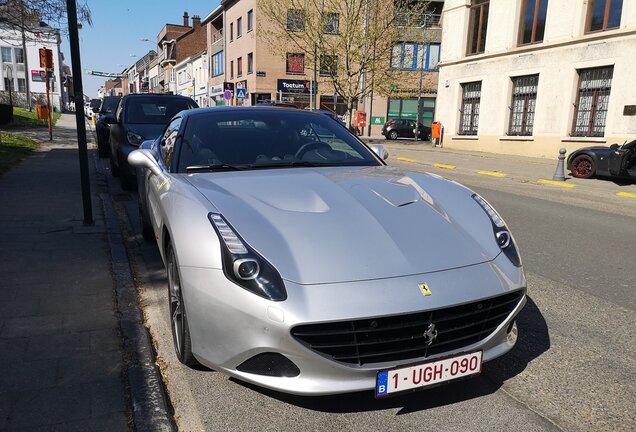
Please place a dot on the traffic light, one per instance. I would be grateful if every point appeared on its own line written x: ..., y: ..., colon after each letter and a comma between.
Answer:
x: 46, y: 58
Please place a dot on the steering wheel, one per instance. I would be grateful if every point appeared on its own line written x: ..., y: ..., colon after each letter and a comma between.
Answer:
x: 313, y: 145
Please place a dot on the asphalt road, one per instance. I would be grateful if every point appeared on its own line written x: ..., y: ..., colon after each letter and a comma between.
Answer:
x: 573, y: 368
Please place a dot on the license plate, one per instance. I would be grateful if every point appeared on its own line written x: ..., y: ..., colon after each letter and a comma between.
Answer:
x: 426, y: 374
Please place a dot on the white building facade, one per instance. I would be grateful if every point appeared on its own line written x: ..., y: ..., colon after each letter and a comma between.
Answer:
x: 528, y: 77
x: 16, y: 67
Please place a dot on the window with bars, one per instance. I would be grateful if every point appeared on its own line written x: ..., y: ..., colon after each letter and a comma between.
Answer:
x: 590, y: 109
x: 524, y: 101
x: 469, y: 112
x: 532, y: 21
x: 477, y: 26
x: 603, y: 15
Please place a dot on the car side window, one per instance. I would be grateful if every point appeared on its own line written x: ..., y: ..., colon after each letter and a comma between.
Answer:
x: 168, y: 141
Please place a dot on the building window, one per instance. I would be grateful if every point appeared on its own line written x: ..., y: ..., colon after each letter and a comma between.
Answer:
x: 6, y: 55
x: 231, y: 69
x: 412, y: 56
x: 295, y: 64
x: 477, y: 26
x: 239, y: 66
x: 8, y: 84
x: 239, y: 27
x: 330, y: 23
x: 469, y: 112
x: 532, y: 21
x: 19, y: 55
x: 231, y: 32
x: 603, y: 15
x: 250, y: 20
x: 590, y: 110
x: 22, y: 85
x: 524, y: 101
x: 217, y: 64
x: 250, y: 63
x: 328, y: 65
x: 295, y: 20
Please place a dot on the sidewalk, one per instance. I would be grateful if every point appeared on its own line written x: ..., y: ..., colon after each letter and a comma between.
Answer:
x: 61, y: 362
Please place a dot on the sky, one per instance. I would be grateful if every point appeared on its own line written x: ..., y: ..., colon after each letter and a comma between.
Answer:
x: 118, y: 26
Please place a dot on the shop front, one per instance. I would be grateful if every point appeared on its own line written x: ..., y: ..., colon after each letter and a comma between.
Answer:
x: 216, y: 95
x: 297, y: 92
x: 407, y: 108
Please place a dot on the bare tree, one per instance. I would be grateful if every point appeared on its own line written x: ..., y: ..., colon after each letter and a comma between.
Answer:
x: 346, y: 41
x: 30, y: 18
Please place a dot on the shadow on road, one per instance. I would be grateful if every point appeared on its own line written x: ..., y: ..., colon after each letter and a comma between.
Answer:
x: 533, y: 341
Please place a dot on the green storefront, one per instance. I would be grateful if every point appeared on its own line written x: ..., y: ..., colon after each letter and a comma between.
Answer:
x: 407, y: 108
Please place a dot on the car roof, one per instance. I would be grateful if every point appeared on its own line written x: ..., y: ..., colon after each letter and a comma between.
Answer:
x: 255, y: 108
x: 155, y: 95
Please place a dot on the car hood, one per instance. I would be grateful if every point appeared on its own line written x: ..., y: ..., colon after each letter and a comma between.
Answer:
x: 147, y: 131
x: 342, y: 224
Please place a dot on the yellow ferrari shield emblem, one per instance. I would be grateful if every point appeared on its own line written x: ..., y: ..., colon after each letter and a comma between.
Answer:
x: 425, y: 290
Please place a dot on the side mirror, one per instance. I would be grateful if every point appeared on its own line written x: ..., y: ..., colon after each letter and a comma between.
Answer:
x: 380, y: 151
x: 144, y: 158
x: 614, y: 146
x: 110, y: 119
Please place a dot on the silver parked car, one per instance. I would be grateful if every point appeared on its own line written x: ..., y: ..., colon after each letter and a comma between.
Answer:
x: 297, y: 260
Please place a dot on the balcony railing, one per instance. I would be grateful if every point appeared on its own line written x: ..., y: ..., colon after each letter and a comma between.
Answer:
x: 410, y: 19
x: 217, y: 37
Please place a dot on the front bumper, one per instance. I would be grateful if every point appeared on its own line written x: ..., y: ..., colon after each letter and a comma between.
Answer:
x: 230, y: 325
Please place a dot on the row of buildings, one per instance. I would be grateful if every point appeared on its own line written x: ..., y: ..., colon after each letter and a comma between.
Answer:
x: 507, y: 76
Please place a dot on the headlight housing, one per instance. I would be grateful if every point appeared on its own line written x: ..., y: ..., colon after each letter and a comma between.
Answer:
x: 502, y: 235
x: 244, y: 266
x: 134, y: 139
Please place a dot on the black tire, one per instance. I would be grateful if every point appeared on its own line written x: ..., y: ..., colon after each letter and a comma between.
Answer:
x: 393, y: 135
x: 102, y: 148
x: 146, y: 227
x: 178, y: 317
x: 126, y: 179
x: 583, y: 166
x: 114, y: 170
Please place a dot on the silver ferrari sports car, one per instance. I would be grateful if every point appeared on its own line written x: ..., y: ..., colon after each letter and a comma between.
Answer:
x: 298, y: 261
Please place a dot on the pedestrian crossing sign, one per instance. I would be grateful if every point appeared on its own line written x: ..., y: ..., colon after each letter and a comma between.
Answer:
x: 241, y: 93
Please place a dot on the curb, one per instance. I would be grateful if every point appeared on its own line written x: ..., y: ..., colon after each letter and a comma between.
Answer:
x: 147, y: 394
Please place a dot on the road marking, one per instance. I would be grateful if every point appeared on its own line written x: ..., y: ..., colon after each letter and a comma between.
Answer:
x: 444, y: 166
x: 626, y: 194
x: 555, y: 183
x: 403, y: 159
x: 493, y: 173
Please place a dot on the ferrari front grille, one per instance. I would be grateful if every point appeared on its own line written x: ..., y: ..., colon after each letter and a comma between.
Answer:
x: 403, y: 337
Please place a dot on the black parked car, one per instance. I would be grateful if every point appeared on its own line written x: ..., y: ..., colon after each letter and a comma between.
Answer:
x: 396, y: 128
x: 102, y: 129
x: 139, y: 117
x: 613, y: 161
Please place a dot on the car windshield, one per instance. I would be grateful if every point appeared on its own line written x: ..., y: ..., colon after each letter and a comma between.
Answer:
x: 267, y: 138
x: 95, y: 103
x: 109, y: 105
x: 154, y: 110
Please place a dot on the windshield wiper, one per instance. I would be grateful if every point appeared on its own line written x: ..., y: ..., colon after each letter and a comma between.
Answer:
x: 214, y: 167
x: 285, y: 164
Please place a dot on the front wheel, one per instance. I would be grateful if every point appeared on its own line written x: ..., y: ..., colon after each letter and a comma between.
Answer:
x: 178, y: 317
x: 583, y: 166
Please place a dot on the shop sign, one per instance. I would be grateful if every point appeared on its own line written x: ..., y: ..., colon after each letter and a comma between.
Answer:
x: 296, y: 86
x: 216, y: 90
x: 375, y: 120
x: 39, y: 75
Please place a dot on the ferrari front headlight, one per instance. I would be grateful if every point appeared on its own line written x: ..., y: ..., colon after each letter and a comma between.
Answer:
x: 502, y: 234
x: 244, y: 266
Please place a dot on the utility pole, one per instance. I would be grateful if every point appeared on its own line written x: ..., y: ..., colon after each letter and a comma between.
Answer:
x: 71, y: 10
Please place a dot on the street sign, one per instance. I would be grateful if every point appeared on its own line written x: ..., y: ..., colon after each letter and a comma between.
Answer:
x: 241, y: 92
x: 261, y: 74
x: 377, y: 120
x: 227, y: 94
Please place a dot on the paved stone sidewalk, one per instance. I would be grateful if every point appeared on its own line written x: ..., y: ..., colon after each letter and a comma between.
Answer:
x: 61, y: 365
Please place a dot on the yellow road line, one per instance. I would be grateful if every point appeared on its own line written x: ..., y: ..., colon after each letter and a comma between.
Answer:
x: 493, y: 173
x: 626, y: 194
x: 403, y: 159
x: 444, y: 166
x: 555, y: 183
